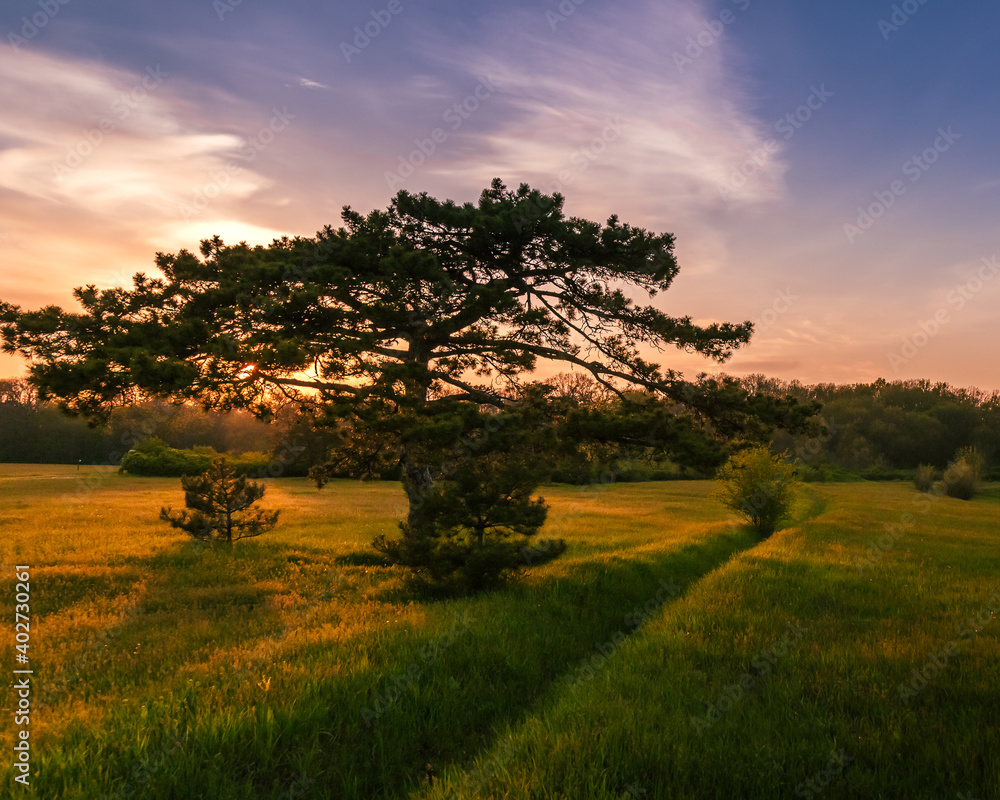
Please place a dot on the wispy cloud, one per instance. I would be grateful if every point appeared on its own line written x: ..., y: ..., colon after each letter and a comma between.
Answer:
x: 109, y: 156
x: 308, y: 84
x: 596, y: 108
x: 658, y: 112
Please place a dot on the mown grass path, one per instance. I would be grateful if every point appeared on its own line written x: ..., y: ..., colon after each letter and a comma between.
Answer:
x: 857, y: 655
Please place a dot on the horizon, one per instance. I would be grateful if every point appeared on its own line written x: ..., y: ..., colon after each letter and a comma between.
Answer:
x: 842, y: 202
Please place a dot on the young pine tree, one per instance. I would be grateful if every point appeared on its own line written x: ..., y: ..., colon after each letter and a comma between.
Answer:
x: 219, y: 503
x: 469, y: 529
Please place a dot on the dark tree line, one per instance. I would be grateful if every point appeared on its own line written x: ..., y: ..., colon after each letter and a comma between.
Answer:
x: 35, y: 432
x: 870, y: 429
x: 881, y: 427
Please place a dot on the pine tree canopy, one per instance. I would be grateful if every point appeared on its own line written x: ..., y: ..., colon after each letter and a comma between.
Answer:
x: 425, y: 302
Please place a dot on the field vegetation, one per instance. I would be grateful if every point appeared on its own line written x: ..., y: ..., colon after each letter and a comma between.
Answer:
x: 667, y: 653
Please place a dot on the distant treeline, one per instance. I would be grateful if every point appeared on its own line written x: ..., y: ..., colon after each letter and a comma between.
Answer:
x: 878, y: 430
x: 39, y: 433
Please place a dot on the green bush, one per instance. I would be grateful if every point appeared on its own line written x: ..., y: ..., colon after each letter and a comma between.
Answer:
x: 759, y: 486
x: 881, y: 472
x: 814, y: 473
x: 926, y: 475
x: 964, y: 474
x: 153, y: 458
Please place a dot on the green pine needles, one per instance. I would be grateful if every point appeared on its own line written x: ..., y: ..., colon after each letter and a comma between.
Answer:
x: 469, y: 529
x: 219, y: 503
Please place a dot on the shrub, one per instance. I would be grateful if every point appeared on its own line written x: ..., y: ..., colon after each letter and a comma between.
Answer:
x: 814, y: 473
x: 219, y: 503
x: 759, y: 486
x: 925, y: 478
x: 962, y: 478
x: 155, y: 459
x: 881, y: 472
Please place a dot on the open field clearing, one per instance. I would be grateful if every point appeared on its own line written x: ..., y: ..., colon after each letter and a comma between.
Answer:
x: 856, y: 653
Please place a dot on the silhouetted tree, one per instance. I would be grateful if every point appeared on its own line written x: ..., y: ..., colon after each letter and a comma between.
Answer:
x: 389, y: 323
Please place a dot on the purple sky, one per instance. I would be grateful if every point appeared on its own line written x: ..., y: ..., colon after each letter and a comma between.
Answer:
x: 830, y: 170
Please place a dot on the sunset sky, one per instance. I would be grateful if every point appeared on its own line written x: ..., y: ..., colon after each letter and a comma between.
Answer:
x: 830, y: 170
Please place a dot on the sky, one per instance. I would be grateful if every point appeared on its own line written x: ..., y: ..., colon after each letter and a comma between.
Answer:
x: 829, y: 170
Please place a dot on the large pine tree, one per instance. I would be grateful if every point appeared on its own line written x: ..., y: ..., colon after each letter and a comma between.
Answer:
x: 387, y: 324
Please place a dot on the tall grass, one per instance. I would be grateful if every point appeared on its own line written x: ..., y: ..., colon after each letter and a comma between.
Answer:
x: 297, y: 666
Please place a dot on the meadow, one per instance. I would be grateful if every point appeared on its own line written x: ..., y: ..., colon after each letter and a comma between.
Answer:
x: 666, y: 654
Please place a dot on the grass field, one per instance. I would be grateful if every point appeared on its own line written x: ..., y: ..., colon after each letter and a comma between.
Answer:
x: 667, y: 654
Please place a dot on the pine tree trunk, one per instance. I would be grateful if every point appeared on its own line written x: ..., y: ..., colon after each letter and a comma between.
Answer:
x: 417, y: 478
x: 417, y: 483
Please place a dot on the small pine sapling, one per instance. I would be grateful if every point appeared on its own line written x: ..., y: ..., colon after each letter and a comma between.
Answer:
x: 219, y: 503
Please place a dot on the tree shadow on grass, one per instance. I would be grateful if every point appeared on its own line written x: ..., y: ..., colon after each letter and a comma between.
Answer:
x: 438, y: 696
x: 247, y: 570
x: 397, y: 700
x: 196, y: 597
x: 63, y: 586
x: 361, y: 558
